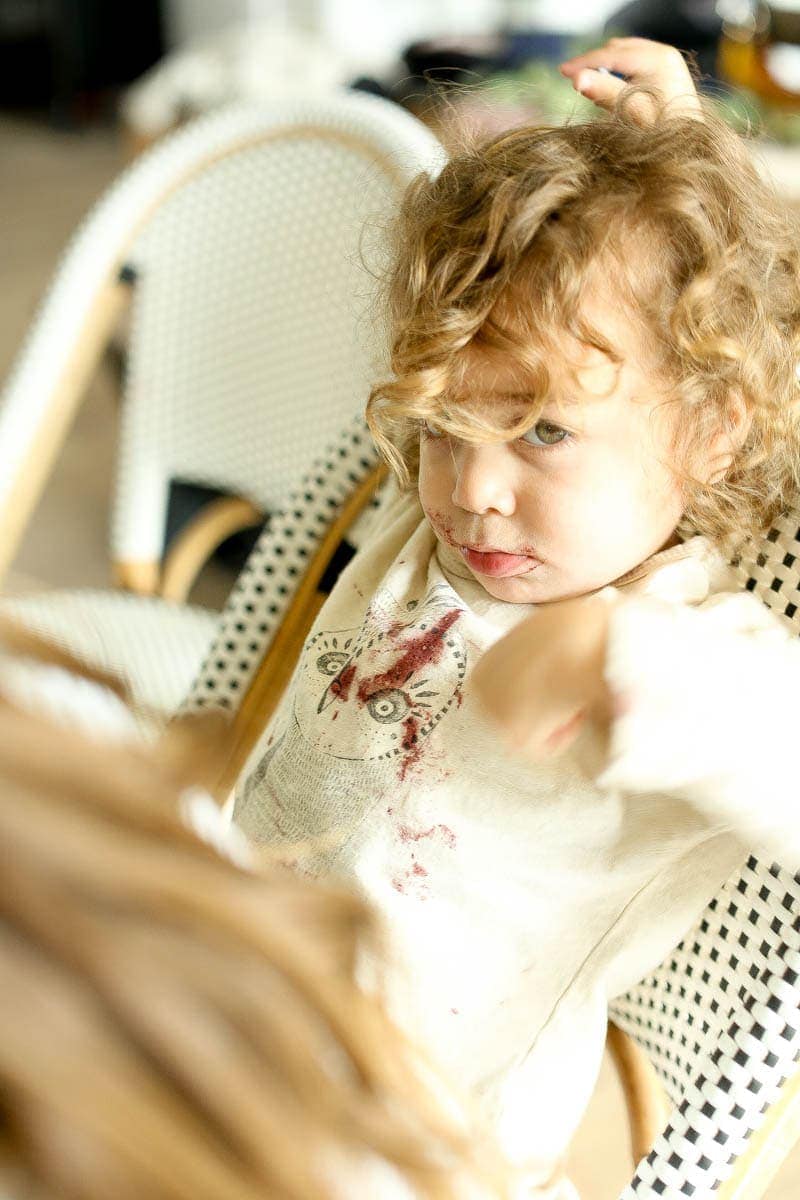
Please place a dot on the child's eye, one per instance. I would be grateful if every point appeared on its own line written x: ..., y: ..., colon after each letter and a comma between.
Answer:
x: 431, y: 429
x: 545, y: 433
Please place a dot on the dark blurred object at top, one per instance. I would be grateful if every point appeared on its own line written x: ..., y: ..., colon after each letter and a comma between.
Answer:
x: 68, y: 55
x: 432, y: 66
x: 693, y: 26
x: 442, y: 84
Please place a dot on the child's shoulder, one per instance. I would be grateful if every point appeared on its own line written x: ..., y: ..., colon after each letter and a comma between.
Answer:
x: 690, y: 572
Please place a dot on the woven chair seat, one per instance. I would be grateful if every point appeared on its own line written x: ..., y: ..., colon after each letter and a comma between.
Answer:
x: 154, y: 646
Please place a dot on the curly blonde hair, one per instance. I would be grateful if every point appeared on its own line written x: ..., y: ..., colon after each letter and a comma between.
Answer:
x: 498, y: 251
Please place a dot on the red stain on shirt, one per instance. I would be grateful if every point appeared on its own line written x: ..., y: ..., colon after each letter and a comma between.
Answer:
x: 407, y: 834
x: 341, y: 684
x: 418, y: 652
x: 412, y: 883
x: 412, y: 748
x: 410, y: 731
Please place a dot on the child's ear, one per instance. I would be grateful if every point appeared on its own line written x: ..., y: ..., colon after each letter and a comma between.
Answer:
x: 721, y: 449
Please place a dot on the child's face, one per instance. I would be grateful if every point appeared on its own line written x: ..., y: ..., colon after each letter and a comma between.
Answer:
x: 585, y: 496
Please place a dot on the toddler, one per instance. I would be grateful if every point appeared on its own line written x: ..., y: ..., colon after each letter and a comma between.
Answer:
x: 595, y: 332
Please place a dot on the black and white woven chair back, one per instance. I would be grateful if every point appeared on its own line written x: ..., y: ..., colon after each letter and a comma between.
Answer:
x: 720, y: 1019
x: 275, y: 568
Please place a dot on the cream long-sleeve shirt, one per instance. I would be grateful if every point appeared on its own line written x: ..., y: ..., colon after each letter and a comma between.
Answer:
x: 518, y: 898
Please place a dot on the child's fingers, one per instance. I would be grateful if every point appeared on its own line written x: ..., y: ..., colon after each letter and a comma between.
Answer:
x: 595, y: 85
x: 634, y: 57
x: 641, y: 62
x: 611, y: 57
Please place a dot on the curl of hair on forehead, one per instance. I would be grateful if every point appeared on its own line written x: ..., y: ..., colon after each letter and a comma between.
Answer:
x: 174, y: 1026
x: 667, y: 219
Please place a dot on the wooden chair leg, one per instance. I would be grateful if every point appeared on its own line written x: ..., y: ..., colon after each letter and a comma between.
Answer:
x: 265, y: 690
x: 140, y: 577
x: 646, y: 1102
x: 27, y: 487
x: 199, y: 539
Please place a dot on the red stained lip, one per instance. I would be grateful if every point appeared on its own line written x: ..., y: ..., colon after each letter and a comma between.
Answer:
x: 497, y: 563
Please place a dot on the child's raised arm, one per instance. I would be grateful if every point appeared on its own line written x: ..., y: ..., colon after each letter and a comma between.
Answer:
x: 642, y: 63
x: 545, y: 679
x: 699, y: 703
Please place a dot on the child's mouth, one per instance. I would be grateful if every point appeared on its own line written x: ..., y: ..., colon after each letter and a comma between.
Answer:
x: 497, y: 563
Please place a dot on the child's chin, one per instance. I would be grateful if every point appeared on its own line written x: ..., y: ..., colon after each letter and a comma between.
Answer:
x: 535, y: 588
x: 518, y: 589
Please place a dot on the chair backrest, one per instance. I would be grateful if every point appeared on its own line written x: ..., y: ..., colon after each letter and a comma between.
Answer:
x: 242, y: 240
x: 720, y: 1019
x: 253, y: 334
x: 275, y: 599
x: 720, y: 1022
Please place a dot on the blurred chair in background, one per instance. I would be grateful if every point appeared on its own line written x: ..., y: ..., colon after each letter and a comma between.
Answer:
x: 243, y: 245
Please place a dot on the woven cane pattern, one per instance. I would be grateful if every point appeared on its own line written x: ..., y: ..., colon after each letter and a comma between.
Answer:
x: 720, y: 1020
x: 275, y: 568
x: 721, y: 1023
x: 154, y: 646
x: 770, y: 568
x: 253, y: 336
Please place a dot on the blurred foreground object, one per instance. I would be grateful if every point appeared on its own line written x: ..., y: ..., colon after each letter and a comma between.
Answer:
x: 178, y: 1022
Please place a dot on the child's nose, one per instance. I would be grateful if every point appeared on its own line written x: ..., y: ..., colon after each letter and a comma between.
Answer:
x: 483, y: 478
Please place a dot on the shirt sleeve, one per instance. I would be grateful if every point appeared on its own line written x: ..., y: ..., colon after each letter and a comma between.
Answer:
x: 706, y: 708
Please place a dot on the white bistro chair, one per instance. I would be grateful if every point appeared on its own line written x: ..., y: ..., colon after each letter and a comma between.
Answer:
x: 238, y: 243
x: 244, y: 246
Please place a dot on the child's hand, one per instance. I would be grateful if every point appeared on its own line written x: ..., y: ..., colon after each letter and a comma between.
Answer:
x: 543, y: 680
x: 650, y: 64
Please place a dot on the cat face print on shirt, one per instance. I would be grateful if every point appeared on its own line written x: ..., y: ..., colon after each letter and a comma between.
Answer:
x: 376, y: 692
